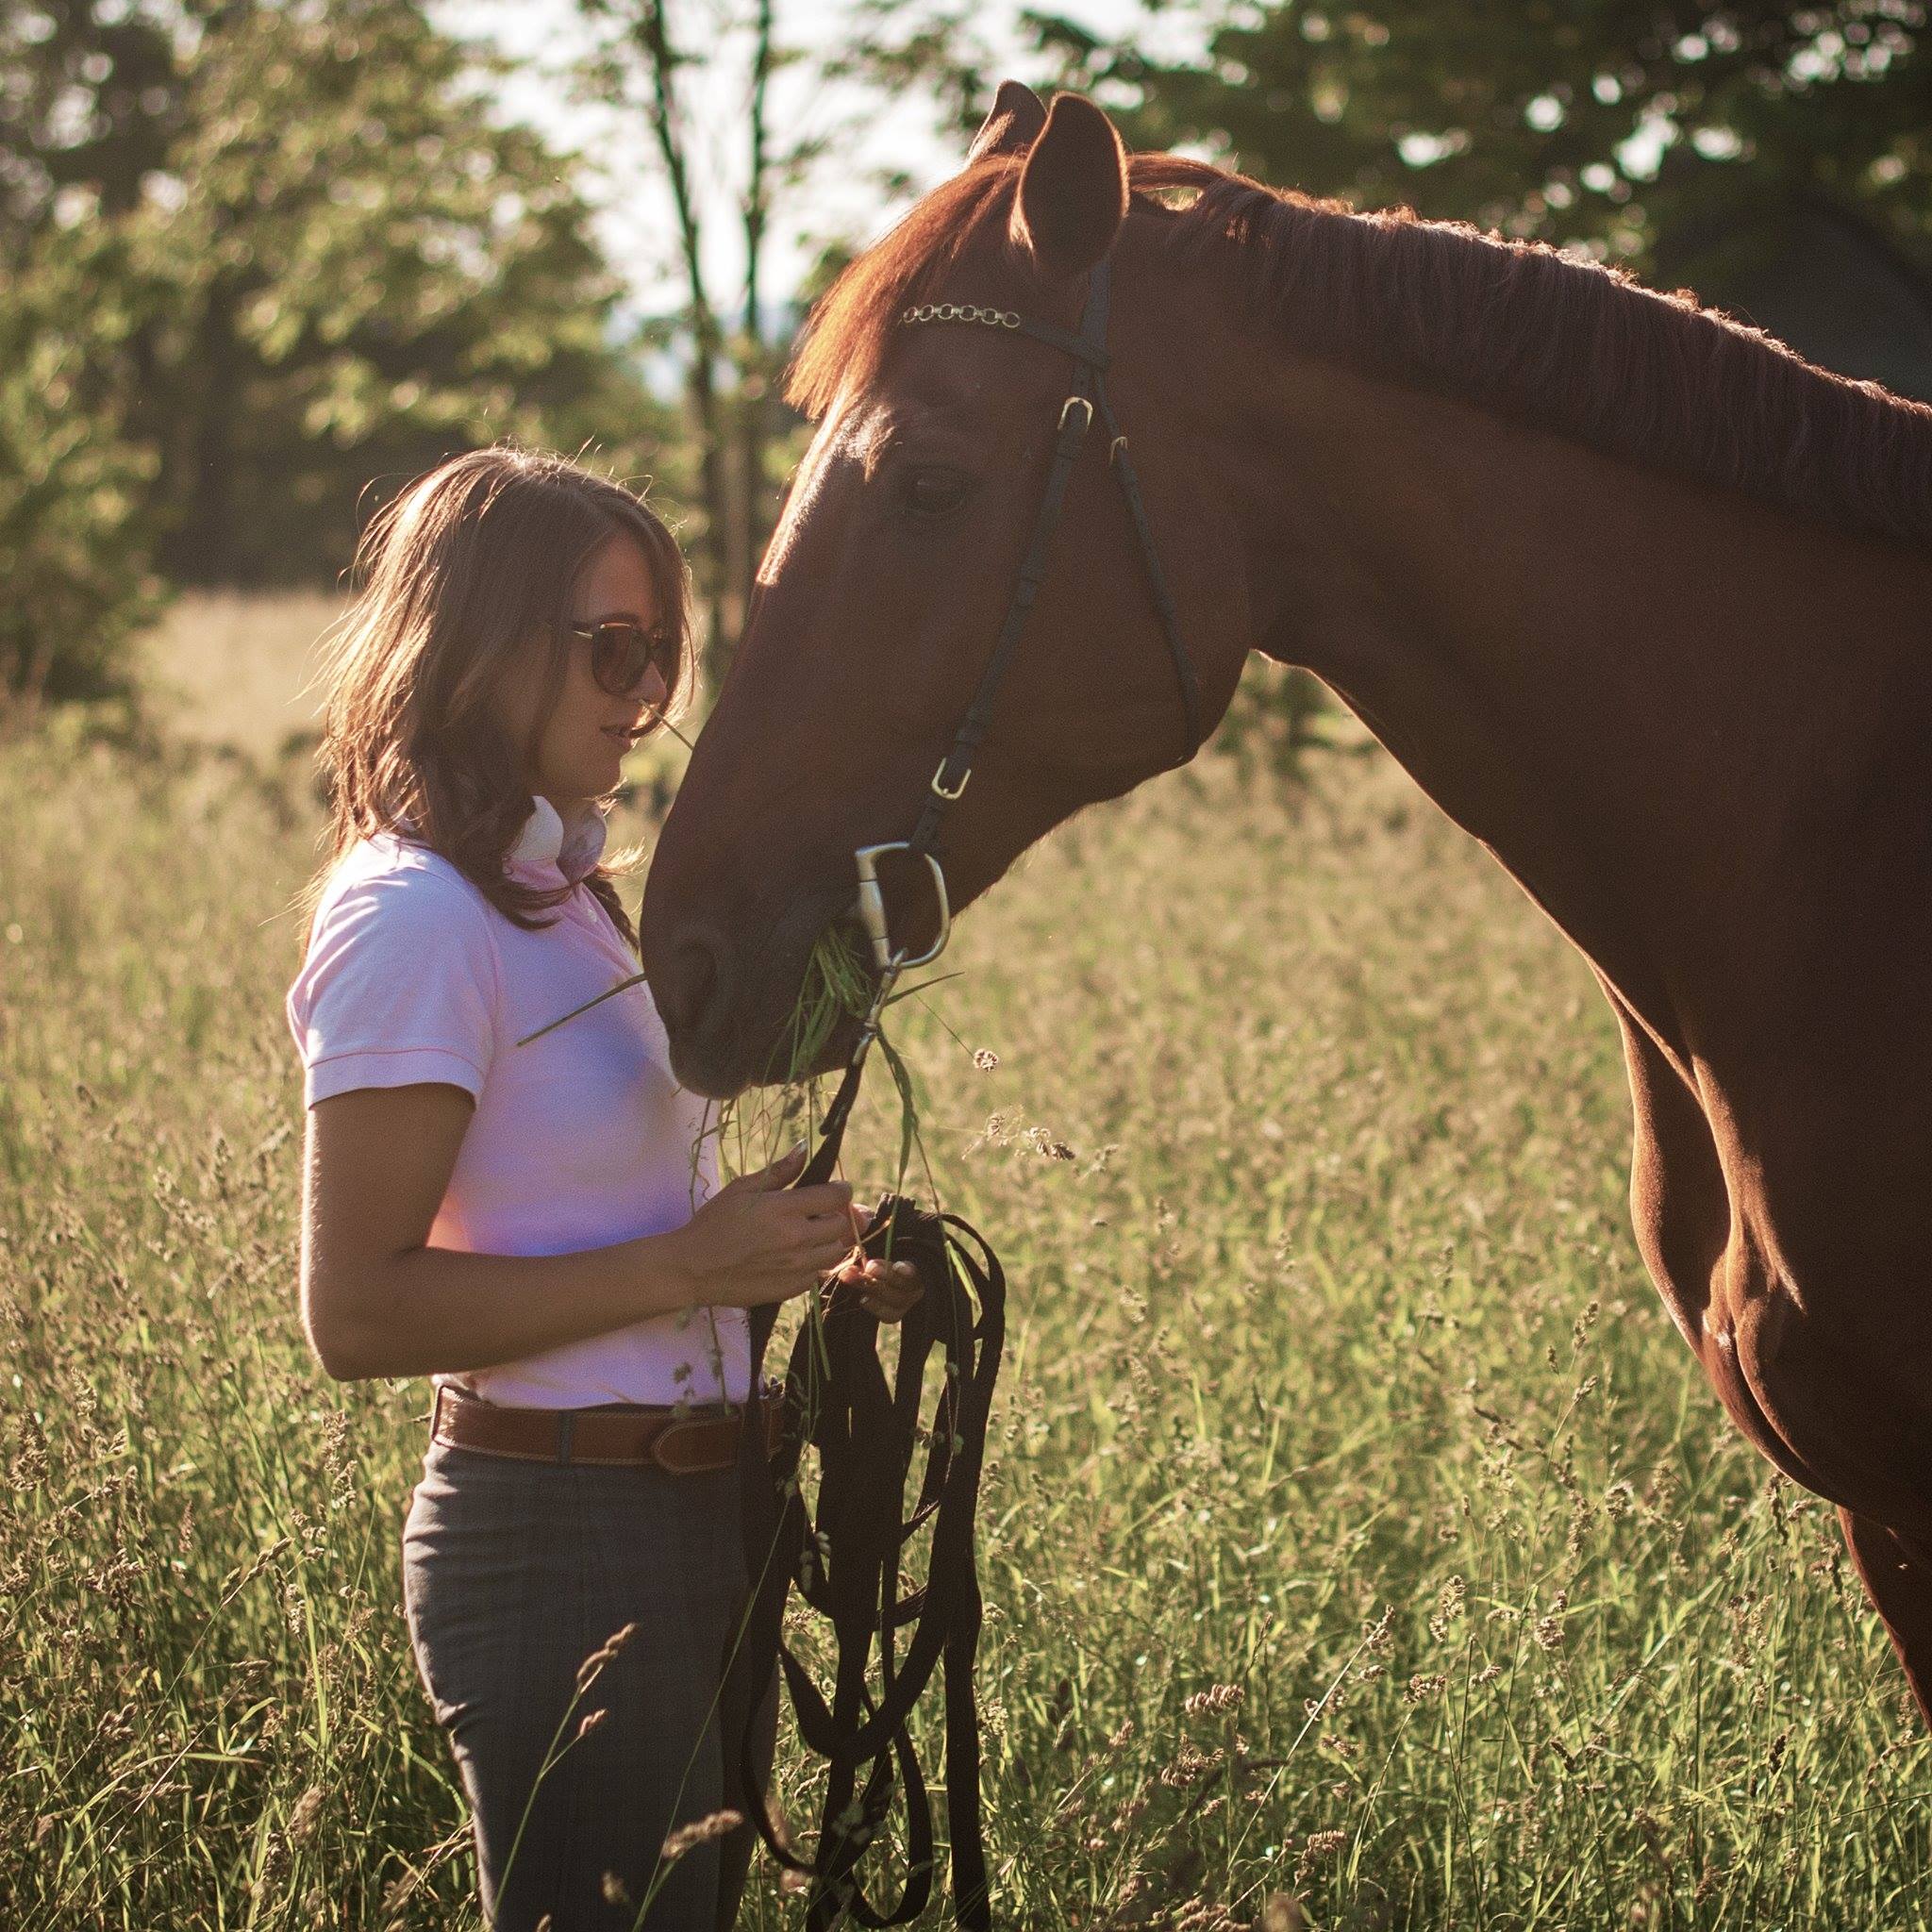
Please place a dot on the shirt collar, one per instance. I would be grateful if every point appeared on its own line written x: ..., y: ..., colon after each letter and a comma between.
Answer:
x: 548, y: 843
x: 549, y: 849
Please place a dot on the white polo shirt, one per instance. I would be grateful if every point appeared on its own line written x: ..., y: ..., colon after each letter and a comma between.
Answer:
x: 578, y: 1140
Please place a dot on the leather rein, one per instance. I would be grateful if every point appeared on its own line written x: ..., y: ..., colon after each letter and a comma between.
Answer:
x: 845, y: 1557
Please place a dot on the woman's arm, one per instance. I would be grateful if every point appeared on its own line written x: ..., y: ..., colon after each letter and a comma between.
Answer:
x: 377, y: 1300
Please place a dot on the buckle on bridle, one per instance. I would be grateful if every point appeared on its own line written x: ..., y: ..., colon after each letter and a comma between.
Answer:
x: 939, y: 791
x: 1073, y: 403
x: 872, y: 909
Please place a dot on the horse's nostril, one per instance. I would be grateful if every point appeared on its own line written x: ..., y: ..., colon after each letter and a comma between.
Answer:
x: 695, y: 984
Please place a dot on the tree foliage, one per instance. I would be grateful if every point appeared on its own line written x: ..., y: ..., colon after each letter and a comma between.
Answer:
x: 74, y: 551
x: 275, y: 252
x: 1614, y: 124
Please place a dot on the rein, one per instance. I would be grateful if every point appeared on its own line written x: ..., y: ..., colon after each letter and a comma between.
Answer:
x: 846, y: 1558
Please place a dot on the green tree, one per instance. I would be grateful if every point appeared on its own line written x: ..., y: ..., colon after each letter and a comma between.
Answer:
x: 318, y: 261
x: 364, y: 271
x: 75, y: 535
x: 643, y: 60
x: 1606, y: 123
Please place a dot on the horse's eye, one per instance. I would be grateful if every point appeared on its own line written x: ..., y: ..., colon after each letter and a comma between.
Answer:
x: 933, y: 493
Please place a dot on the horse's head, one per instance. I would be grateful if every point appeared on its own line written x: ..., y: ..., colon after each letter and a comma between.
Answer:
x: 896, y: 563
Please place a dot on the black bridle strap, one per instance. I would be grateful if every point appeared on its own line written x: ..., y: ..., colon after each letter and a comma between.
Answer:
x: 844, y: 1557
x: 1076, y: 418
x: 1156, y: 578
x: 1087, y: 398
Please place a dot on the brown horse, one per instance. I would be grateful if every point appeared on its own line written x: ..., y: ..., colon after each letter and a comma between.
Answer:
x: 1638, y: 597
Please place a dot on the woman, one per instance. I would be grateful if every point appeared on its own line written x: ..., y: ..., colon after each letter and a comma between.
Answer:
x: 538, y: 1227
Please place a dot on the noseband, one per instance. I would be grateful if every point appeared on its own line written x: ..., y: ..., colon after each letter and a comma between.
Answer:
x: 846, y: 1557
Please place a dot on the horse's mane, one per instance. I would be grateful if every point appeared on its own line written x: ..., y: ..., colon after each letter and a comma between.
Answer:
x: 1514, y: 326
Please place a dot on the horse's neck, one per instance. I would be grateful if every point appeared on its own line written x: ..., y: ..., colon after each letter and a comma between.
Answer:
x: 1661, y: 705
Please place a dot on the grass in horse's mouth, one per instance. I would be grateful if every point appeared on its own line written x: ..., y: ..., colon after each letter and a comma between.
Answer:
x: 759, y: 1123
x: 836, y: 987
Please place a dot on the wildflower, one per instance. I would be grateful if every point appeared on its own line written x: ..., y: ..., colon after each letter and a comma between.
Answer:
x: 1321, y: 1844
x: 1188, y: 1766
x: 984, y: 1059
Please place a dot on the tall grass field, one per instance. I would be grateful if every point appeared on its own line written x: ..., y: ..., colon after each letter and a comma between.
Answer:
x: 1361, y: 1546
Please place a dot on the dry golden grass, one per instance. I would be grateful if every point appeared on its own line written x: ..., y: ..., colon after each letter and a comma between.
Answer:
x: 226, y: 667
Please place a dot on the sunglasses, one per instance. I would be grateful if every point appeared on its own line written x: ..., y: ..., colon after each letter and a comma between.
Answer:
x: 622, y: 652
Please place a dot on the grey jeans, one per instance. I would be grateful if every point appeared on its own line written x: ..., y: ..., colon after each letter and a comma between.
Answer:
x: 514, y: 1574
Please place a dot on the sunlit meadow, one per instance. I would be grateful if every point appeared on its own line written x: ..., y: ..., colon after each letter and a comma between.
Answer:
x: 1357, y: 1535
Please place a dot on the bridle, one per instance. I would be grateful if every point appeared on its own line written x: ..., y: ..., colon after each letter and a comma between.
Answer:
x: 846, y: 1561
x: 1087, y: 399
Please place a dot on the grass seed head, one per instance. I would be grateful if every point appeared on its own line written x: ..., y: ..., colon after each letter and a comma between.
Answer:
x: 701, y: 1831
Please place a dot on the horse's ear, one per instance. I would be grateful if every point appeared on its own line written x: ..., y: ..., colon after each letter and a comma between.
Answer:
x: 1073, y: 190
x: 1017, y: 117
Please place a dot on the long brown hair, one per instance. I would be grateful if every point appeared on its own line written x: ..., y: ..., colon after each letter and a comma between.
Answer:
x: 467, y: 568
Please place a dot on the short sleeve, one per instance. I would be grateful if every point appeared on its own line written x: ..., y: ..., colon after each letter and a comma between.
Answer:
x: 399, y: 987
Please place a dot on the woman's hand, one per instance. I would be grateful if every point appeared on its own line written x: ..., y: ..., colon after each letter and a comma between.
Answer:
x: 887, y: 1289
x: 761, y: 1240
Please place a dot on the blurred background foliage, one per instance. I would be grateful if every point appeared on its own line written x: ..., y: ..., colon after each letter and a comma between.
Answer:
x: 259, y: 259
x: 1620, y: 124
x: 263, y: 260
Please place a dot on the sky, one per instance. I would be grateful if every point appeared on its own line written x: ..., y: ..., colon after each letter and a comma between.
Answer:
x: 842, y: 198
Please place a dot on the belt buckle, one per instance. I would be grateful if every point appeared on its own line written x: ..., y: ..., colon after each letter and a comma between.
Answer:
x: 670, y: 1433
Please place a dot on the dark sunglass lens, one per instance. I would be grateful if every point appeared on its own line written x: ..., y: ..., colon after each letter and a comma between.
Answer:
x: 664, y: 655
x: 619, y: 655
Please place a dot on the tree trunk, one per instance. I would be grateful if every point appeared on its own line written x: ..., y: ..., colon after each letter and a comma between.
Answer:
x: 712, y: 564
x: 754, y: 423
x: 201, y: 547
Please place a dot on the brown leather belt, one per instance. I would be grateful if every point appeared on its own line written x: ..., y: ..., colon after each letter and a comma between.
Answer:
x: 686, y: 1440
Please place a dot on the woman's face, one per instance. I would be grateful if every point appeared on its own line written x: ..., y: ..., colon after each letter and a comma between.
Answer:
x: 580, y: 755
